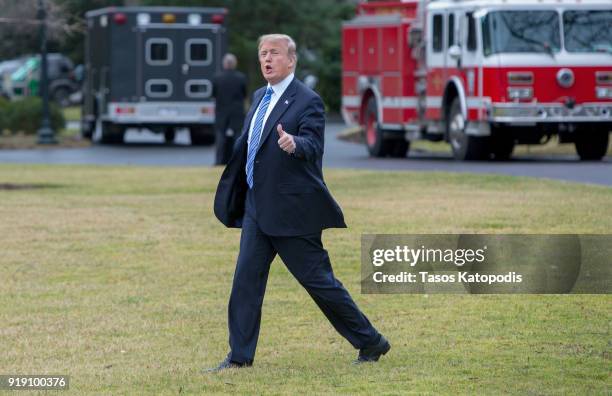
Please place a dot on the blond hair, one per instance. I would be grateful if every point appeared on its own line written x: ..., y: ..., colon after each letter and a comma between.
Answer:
x: 291, y: 47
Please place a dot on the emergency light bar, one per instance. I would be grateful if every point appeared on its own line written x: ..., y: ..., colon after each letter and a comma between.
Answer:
x: 217, y: 18
x: 168, y: 18
x: 194, y: 19
x: 143, y: 19
x: 119, y: 18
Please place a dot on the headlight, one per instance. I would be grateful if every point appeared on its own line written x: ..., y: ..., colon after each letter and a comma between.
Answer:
x: 565, y: 78
x: 520, y: 93
x: 603, y: 92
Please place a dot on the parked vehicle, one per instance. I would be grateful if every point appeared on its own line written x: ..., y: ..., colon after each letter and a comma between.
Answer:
x: 6, y: 69
x: 151, y: 67
x: 481, y: 75
x: 25, y: 80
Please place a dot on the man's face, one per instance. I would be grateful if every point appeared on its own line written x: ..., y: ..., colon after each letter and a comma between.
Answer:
x: 275, y: 61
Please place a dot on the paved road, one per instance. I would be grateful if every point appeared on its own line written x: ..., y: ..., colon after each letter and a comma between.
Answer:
x: 148, y: 149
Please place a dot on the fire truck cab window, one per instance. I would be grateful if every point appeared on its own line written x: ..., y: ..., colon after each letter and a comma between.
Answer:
x: 521, y: 31
x: 199, y: 51
x: 471, y: 32
x: 437, y: 33
x: 588, y: 31
x: 451, y: 30
x: 159, y: 51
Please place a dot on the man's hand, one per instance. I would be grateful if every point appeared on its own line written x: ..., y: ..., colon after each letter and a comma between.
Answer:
x: 285, y: 140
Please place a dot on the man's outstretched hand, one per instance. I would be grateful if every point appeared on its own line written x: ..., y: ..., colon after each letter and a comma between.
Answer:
x: 285, y: 140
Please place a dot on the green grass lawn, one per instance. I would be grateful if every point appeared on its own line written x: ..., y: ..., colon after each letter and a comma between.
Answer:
x: 72, y: 113
x: 119, y: 277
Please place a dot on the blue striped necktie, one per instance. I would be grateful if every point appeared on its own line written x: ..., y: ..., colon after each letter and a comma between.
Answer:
x: 256, y: 135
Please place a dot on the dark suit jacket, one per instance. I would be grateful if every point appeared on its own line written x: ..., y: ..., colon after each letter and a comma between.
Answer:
x: 229, y: 91
x: 291, y: 197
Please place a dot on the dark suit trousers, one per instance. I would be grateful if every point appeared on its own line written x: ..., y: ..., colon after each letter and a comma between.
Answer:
x: 224, y: 145
x: 309, y: 263
x: 232, y: 117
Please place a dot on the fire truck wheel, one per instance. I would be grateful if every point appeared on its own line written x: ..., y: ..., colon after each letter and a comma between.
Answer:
x: 169, y: 135
x: 377, y: 145
x: 464, y: 146
x: 399, y: 148
x: 203, y: 135
x: 502, y: 148
x: 592, y: 145
x: 112, y: 133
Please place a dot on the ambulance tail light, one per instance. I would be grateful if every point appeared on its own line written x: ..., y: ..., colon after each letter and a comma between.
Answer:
x: 120, y: 18
x: 125, y: 110
x: 523, y: 93
x: 520, y: 78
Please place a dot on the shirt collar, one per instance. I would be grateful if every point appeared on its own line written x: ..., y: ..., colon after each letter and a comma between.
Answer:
x: 280, y: 87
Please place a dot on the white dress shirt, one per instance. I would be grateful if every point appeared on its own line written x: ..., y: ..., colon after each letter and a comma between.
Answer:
x: 277, y: 91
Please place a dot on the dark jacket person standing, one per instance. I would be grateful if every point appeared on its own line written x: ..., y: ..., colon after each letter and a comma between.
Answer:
x: 273, y: 189
x: 229, y: 90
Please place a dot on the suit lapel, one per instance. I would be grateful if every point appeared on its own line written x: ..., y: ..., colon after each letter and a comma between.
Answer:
x: 256, y: 99
x: 281, y: 106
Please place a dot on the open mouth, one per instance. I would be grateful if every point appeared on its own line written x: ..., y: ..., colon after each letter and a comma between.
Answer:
x: 268, y: 68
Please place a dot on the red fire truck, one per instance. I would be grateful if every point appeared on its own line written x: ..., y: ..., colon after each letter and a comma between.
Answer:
x: 481, y: 75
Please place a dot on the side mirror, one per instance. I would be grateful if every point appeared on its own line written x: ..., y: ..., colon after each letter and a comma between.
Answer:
x: 414, y: 37
x: 454, y: 52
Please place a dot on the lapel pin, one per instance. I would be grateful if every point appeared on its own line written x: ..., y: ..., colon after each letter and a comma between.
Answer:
x: 286, y: 102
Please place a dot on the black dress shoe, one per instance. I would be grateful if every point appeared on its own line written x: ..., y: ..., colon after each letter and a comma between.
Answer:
x: 227, y: 364
x: 372, y: 353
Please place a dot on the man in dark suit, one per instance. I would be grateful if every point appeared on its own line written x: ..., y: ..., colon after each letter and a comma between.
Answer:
x: 229, y: 90
x: 273, y: 188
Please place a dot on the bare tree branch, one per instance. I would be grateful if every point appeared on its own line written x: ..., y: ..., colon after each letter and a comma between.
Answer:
x: 19, y: 18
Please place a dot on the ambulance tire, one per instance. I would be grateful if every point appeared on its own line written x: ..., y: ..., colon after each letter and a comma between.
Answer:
x: 88, y: 128
x: 112, y: 133
x: 464, y: 146
x: 592, y: 145
x: 169, y: 135
x: 502, y: 148
x: 376, y: 144
x: 202, y: 135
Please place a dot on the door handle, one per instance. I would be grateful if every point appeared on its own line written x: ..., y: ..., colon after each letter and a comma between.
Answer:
x: 185, y: 68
